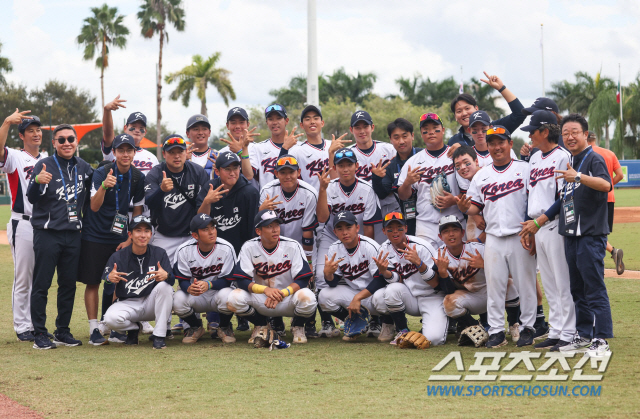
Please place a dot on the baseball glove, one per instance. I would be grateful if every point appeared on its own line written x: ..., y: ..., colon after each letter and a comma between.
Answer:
x: 439, y: 186
x: 357, y: 324
x: 413, y: 340
x: 473, y: 335
x: 264, y: 338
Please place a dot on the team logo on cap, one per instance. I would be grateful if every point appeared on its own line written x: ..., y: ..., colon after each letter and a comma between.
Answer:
x: 235, y: 110
x: 342, y: 215
x: 229, y: 155
x: 477, y: 115
x: 203, y: 216
x: 358, y: 114
x: 137, y: 115
x: 199, y: 118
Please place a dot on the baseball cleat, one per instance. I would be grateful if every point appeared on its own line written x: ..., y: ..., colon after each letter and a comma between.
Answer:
x: 328, y: 330
x: 192, y: 334
x: 65, y: 339
x: 578, y: 344
x: 298, y: 335
x: 42, y: 341
x: 374, y: 330
x: 557, y: 346
x: 243, y: 325
x: 598, y: 348
x: 398, y: 336
x: 496, y: 340
x: 178, y: 327
x: 526, y: 337
x: 147, y: 329
x: 546, y: 344
x: 277, y: 325
x: 226, y: 334
x: 117, y: 337
x: 387, y: 333
x: 103, y: 328
x: 349, y: 338
x: 26, y: 336
x: 96, y: 338
x: 256, y: 332
x: 132, y: 337
x: 158, y: 342
x: 310, y: 331
x: 616, y: 255
x: 541, y: 331
x: 212, y: 326
x: 514, y: 331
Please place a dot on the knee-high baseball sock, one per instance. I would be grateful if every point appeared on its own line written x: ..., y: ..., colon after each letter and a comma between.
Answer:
x: 540, y: 319
x: 193, y: 320
x: 513, y: 313
x: 311, y: 320
x: 386, y: 319
x: 225, y: 320
x: 375, y: 319
x: 466, y: 320
x: 399, y: 319
x: 324, y: 316
x: 342, y: 313
x: 254, y: 317
x: 107, y: 300
x: 299, y: 321
x: 484, y: 321
x: 213, y: 316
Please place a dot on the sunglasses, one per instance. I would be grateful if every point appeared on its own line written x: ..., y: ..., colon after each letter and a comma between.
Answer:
x: 287, y: 160
x: 273, y: 108
x: 393, y: 216
x: 346, y: 153
x: 430, y: 115
x: 133, y: 129
x: 497, y: 130
x: 141, y: 219
x: 175, y: 140
x: 62, y: 140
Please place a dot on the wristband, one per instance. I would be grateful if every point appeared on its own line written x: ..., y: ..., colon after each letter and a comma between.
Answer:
x: 480, y: 240
x: 244, y: 157
x: 239, y: 153
x: 104, y: 187
x: 209, y: 285
x: 37, y: 180
x: 288, y: 290
x: 307, y: 241
x: 258, y: 289
x: 420, y: 266
x: 504, y: 86
x: 536, y: 223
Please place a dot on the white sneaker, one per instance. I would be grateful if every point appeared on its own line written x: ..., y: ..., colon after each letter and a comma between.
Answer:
x: 147, y: 329
x: 256, y: 332
x: 514, y: 331
x: 387, y: 333
x: 578, y: 344
x: 328, y: 331
x: 298, y: 335
x: 598, y: 348
x: 103, y: 328
x: 374, y: 330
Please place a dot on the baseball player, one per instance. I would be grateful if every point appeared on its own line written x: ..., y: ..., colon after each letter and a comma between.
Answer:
x: 407, y: 265
x: 240, y: 141
x: 18, y: 165
x: 465, y: 161
x: 144, y: 279
x: 346, y: 193
x: 544, y: 189
x: 202, y: 266
x: 199, y: 152
x: 500, y: 191
x: 352, y: 275
x: 171, y: 189
x: 273, y: 278
x: 418, y: 173
x: 479, y: 123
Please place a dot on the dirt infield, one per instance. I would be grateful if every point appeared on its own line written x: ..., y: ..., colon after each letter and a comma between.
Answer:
x: 626, y: 215
x: 12, y: 409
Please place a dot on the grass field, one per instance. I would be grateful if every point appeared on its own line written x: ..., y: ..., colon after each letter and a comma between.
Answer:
x: 626, y: 197
x: 325, y: 378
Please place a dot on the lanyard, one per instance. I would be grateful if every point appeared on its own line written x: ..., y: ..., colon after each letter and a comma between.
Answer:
x: 579, y: 167
x: 64, y: 184
x: 128, y: 193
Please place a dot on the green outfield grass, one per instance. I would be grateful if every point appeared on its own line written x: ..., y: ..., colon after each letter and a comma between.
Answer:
x: 325, y: 378
x: 627, y: 197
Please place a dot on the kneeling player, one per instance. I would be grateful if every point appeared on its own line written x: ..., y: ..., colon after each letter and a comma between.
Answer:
x: 273, y: 278
x: 202, y: 267
x: 353, y: 279
x: 145, y: 292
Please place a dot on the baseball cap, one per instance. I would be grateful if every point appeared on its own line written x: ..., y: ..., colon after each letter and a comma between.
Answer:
x: 277, y: 108
x: 344, y: 217
x: 448, y: 220
x: 201, y: 221
x: 173, y: 141
x: 140, y: 220
x: 498, y: 131
x: 541, y: 104
x: 198, y: 118
x: 123, y: 139
x: 135, y: 117
x: 237, y: 111
x: 26, y: 122
x: 345, y: 154
x: 287, y: 161
x: 361, y: 116
x: 392, y: 217
x: 227, y: 158
x: 480, y: 116
x: 430, y: 117
x: 266, y: 217
x: 310, y: 108
x: 538, y: 119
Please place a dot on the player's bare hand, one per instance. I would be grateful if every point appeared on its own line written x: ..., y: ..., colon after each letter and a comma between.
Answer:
x: 331, y: 265
x: 453, y: 148
x: 382, y: 262
x: 17, y: 117
x: 198, y: 287
x: 493, y: 81
x: 291, y: 139
x: 380, y: 169
x: 110, y: 181
x: 475, y: 260
x: 247, y: 136
x: 158, y: 275
x: 354, y: 307
x: 43, y: 177
x: 338, y: 143
x: 413, y: 175
x: 189, y: 150
x: 214, y: 195
x: 528, y: 227
x: 271, y: 303
x: 270, y: 203
x: 568, y: 175
x: 273, y: 294
x: 115, y: 276
x: 324, y: 179
x: 445, y: 201
x: 212, y: 157
x: 528, y: 242
x: 411, y: 254
x: 442, y: 262
x: 167, y: 183
x: 464, y: 203
x: 124, y: 244
x: 525, y: 150
x: 115, y: 104
x: 479, y: 221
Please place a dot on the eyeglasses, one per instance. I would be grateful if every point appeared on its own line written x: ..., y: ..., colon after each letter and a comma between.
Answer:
x: 573, y: 133
x: 475, y: 131
x: 393, y: 216
x: 273, y: 108
x: 287, y: 160
x: 141, y: 130
x: 462, y: 166
x: 430, y: 115
x: 346, y: 153
x: 62, y: 140
x: 175, y: 140
x: 496, y: 130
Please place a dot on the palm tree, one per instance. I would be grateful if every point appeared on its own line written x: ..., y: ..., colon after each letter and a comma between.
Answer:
x: 154, y: 16
x: 199, y: 75
x: 342, y: 86
x: 5, y: 67
x: 99, y: 31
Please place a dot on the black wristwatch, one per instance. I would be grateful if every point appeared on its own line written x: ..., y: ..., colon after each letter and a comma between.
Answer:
x: 504, y: 86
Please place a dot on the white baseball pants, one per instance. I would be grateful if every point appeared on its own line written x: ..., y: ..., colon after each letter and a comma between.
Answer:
x: 456, y: 304
x: 212, y: 300
x: 169, y: 244
x: 20, y: 235
x: 332, y: 298
x: 302, y: 303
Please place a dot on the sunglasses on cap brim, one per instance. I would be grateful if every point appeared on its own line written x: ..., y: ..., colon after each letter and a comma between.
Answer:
x: 287, y: 160
x: 347, y: 153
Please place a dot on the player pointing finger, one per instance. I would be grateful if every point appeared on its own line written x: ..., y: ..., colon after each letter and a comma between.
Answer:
x: 115, y: 276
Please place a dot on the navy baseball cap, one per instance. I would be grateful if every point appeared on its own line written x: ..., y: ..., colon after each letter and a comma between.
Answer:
x: 345, y: 154
x: 277, y: 108
x: 201, y: 221
x: 172, y: 141
x: 541, y: 104
x: 287, y: 161
x: 498, y: 131
x: 310, y: 108
x: 237, y: 111
x: 344, y: 217
x: 197, y: 119
x: 123, y: 139
x: 361, y: 116
x: 140, y: 220
x: 480, y: 116
x: 266, y: 217
x: 26, y: 122
x: 135, y: 117
x: 394, y: 217
x: 447, y: 221
x: 538, y: 119
x: 227, y: 158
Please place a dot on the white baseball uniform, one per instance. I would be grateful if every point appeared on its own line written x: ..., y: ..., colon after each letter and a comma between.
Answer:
x: 356, y: 272
x: 502, y: 194
x: 144, y: 160
x: 312, y: 159
x: 202, y: 160
x: 429, y: 216
x: 18, y: 165
x: 263, y: 158
x: 276, y: 269
x: 544, y: 189
x: 190, y: 264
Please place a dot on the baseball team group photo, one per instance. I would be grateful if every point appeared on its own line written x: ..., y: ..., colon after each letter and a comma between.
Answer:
x: 340, y: 242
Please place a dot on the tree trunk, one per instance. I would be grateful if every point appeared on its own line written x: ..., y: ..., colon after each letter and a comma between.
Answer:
x: 203, y: 107
x: 159, y: 99
x: 104, y: 51
x: 607, y: 140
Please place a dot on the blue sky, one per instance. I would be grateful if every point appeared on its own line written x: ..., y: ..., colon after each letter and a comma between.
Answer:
x: 263, y: 44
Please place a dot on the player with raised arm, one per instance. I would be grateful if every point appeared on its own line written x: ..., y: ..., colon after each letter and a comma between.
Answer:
x: 479, y: 124
x: 241, y: 141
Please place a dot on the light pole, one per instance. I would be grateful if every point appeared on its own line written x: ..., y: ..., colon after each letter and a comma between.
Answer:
x: 50, y: 104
